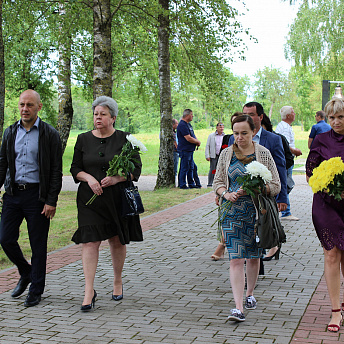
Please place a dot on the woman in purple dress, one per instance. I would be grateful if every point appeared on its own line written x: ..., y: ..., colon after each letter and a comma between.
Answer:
x: 327, y: 213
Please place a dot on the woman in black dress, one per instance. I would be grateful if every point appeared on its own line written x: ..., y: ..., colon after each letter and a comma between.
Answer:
x: 101, y: 220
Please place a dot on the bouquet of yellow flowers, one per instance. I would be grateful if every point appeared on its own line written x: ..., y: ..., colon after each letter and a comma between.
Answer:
x: 329, y: 177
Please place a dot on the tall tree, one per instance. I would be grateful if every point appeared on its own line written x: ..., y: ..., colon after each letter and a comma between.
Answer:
x: 2, y: 77
x: 27, y: 49
x: 316, y: 38
x: 102, y: 54
x: 65, y: 116
x: 166, y: 177
x: 271, y: 88
x: 307, y: 91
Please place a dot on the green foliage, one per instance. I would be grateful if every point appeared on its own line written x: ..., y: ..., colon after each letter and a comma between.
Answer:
x: 201, y: 35
x: 201, y: 125
x: 301, y: 88
x: 305, y: 91
x: 272, y: 88
x: 316, y: 38
x: 27, y: 53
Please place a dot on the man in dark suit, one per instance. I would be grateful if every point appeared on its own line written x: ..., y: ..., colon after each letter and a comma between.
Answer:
x: 273, y: 143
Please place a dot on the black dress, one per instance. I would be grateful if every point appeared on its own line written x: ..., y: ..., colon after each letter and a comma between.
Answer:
x: 102, y: 219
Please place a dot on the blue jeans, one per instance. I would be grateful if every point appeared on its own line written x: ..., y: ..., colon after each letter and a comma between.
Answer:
x: 25, y: 204
x: 195, y: 180
x: 287, y: 211
x: 186, y: 168
x: 175, y: 162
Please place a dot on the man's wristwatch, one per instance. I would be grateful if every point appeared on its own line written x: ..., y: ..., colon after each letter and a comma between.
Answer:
x: 223, y: 193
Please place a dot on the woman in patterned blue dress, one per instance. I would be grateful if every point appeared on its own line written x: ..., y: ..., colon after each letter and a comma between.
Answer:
x: 238, y: 223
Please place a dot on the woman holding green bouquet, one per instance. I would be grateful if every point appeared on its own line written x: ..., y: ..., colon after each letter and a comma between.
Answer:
x: 327, y: 212
x: 239, y: 218
x: 101, y: 219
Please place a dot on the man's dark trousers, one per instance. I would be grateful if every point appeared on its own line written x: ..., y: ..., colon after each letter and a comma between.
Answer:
x: 25, y: 204
x: 186, y: 168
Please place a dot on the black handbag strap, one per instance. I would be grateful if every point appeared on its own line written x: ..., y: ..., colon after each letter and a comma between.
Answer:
x: 129, y: 180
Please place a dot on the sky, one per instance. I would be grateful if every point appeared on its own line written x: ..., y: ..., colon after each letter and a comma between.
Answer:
x: 268, y: 21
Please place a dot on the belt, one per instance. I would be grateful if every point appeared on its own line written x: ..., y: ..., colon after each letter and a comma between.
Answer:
x: 26, y: 186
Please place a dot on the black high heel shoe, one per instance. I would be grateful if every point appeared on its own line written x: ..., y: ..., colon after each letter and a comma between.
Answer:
x: 87, y: 308
x: 275, y: 255
x: 118, y: 297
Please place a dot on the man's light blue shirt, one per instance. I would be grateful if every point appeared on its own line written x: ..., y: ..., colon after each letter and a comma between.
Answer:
x: 256, y: 138
x: 26, y: 154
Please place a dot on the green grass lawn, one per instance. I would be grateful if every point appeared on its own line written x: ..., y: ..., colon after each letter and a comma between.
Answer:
x: 150, y: 159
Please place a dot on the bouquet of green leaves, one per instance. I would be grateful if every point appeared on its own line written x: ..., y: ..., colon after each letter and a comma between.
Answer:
x: 122, y: 164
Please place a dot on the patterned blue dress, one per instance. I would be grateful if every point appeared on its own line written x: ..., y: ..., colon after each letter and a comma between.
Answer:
x: 238, y: 223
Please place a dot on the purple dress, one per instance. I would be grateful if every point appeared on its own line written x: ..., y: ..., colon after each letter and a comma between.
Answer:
x: 327, y: 213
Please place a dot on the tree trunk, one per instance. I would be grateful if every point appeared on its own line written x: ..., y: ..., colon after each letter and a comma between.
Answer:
x: 2, y: 77
x: 166, y: 176
x: 102, y: 55
x: 270, y: 112
x: 65, y: 116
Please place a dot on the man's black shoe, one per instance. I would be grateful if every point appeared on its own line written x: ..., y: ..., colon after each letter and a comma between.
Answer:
x: 21, y: 286
x: 32, y: 300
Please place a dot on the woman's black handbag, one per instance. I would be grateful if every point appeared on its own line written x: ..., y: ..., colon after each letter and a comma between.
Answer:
x: 268, y: 228
x: 131, y: 200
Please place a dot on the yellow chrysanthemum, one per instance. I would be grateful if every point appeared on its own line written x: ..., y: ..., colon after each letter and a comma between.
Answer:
x: 324, y: 174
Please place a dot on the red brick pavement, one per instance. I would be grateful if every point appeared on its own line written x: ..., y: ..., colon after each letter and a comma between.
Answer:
x: 312, y: 327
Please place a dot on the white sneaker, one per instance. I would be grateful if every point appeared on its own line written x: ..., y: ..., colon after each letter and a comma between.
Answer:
x: 251, y: 302
x: 290, y: 217
x: 236, y: 315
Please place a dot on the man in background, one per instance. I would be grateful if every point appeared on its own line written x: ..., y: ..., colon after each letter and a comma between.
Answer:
x: 212, y: 150
x: 31, y: 172
x: 284, y: 128
x: 187, y: 143
x: 320, y: 127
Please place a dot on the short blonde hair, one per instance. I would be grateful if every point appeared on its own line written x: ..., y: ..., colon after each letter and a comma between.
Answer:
x: 334, y: 106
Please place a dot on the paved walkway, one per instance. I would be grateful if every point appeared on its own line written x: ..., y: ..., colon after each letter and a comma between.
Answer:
x: 174, y: 293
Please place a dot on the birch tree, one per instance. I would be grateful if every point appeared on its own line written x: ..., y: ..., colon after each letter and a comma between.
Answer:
x: 65, y: 116
x: 102, y: 54
x: 166, y: 177
x: 316, y: 38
